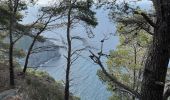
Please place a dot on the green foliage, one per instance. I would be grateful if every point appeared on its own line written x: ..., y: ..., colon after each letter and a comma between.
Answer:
x: 4, y: 13
x: 133, y: 35
x: 80, y: 11
x: 118, y: 96
x: 19, y: 53
x: 53, y: 10
x: 40, y: 74
x: 84, y: 12
x: 41, y: 38
x: 39, y: 26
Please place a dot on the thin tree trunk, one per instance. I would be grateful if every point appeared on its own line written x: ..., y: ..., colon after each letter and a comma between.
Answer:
x: 13, y: 6
x: 67, y: 85
x: 134, y: 71
x: 11, y: 67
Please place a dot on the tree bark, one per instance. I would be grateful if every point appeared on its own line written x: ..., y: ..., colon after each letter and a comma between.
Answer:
x: 157, y: 61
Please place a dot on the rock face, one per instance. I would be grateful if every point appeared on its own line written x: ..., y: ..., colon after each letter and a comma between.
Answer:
x: 10, y: 95
x: 44, y: 51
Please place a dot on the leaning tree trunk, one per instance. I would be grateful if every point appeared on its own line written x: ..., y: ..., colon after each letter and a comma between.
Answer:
x: 157, y: 62
x: 29, y: 53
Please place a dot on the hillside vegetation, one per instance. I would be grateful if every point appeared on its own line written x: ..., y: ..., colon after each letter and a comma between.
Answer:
x: 35, y: 85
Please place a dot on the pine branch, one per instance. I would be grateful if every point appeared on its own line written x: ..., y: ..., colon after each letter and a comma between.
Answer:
x: 146, y: 18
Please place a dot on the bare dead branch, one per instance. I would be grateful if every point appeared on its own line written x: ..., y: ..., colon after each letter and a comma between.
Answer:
x: 75, y: 58
x: 78, y: 50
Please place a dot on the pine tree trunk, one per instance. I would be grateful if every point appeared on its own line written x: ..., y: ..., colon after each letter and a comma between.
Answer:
x: 155, y: 71
x: 134, y: 71
x: 67, y: 84
x: 11, y: 67
x: 158, y: 58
